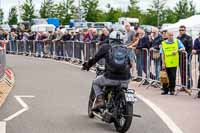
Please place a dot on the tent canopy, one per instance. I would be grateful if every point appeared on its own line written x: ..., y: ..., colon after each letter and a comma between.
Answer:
x: 43, y: 28
x: 192, y: 24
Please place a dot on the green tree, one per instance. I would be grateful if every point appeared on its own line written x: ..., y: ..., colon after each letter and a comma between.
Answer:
x: 1, y: 16
x: 12, y: 19
x: 150, y: 17
x: 65, y: 11
x: 184, y: 9
x: 92, y: 13
x: 168, y: 16
x: 47, y: 9
x: 133, y: 9
x: 28, y: 10
x: 113, y: 15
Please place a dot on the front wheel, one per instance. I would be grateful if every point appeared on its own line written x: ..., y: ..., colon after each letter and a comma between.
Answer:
x: 90, y: 103
x: 124, y: 120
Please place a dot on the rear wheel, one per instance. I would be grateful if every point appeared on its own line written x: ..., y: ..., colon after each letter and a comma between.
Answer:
x: 124, y: 118
x: 90, y: 103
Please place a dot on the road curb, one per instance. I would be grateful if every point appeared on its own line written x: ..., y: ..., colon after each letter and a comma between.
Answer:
x: 6, y: 85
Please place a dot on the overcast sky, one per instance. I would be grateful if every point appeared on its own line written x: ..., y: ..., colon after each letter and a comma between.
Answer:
x: 7, y: 4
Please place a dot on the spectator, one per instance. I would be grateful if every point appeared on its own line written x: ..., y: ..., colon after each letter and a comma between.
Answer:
x: 32, y: 38
x: 187, y: 42
x: 49, y: 44
x: 25, y: 42
x: 95, y: 36
x: 67, y: 44
x: 88, y: 35
x: 58, y: 44
x: 104, y: 37
x: 93, y: 44
x: 12, y: 39
x: 156, y: 40
x: 66, y: 36
x: 164, y: 35
x: 20, y: 36
x: 129, y: 37
x: 144, y: 42
x: 196, y: 50
x: 79, y: 35
x: 3, y: 39
x: 170, y: 56
x: 133, y: 46
x: 40, y: 44
x: 73, y: 36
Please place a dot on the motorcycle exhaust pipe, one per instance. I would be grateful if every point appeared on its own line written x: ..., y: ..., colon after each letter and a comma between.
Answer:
x: 97, y: 115
x: 138, y: 116
x: 134, y: 115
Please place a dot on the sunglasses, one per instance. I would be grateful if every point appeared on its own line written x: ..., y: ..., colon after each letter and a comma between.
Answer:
x: 181, y: 30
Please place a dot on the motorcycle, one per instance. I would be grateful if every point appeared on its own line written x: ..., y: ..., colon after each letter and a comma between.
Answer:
x: 118, y: 107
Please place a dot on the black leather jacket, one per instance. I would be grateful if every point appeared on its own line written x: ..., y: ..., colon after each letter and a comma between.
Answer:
x: 103, y: 53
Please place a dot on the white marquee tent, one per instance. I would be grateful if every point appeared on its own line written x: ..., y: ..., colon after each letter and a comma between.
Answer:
x: 192, y: 23
x: 43, y: 27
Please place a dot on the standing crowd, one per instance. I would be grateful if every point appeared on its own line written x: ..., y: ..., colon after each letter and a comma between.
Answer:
x: 166, y: 51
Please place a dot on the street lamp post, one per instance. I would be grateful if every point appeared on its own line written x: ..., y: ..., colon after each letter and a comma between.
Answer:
x: 19, y: 18
x: 158, y: 14
x: 80, y: 11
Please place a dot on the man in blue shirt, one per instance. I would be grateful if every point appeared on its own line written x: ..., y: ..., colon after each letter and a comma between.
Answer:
x: 171, y: 71
x: 186, y: 78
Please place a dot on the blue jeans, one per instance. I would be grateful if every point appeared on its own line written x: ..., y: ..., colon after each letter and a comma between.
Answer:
x: 59, y: 49
x: 13, y: 46
x: 139, y: 63
x: 40, y: 49
x: 131, y: 54
x: 157, y: 68
x: 143, y: 64
x: 102, y: 81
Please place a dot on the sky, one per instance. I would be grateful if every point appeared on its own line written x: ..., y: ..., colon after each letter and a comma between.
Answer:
x: 143, y: 4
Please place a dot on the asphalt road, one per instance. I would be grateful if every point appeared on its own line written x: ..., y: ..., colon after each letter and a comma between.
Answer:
x: 60, y: 104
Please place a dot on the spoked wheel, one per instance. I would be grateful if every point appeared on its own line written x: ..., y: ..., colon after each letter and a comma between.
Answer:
x: 90, y: 103
x: 124, y: 118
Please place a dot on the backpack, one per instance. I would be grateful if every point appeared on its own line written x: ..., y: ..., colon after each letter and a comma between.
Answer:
x: 118, y: 61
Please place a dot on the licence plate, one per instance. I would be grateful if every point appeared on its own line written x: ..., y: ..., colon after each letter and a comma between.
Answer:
x: 129, y: 95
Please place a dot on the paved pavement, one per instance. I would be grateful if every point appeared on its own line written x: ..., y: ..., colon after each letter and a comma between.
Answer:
x: 182, y: 109
x: 60, y: 104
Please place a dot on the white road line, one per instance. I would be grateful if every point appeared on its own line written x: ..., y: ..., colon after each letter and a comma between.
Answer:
x: 2, y: 127
x: 15, y: 114
x: 165, y: 118
x: 23, y: 104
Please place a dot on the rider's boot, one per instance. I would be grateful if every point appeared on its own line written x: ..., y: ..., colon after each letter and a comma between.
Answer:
x: 99, y: 103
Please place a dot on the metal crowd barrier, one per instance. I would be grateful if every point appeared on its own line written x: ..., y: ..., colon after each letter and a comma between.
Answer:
x: 195, y: 71
x: 147, y: 66
x: 142, y: 63
x: 155, y: 66
x: 2, y: 62
x: 183, y: 73
x: 73, y: 50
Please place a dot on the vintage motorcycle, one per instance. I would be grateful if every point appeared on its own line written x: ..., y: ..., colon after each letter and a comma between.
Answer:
x: 118, y: 107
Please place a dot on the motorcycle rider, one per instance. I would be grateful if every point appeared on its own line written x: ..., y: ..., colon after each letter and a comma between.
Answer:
x: 113, y: 75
